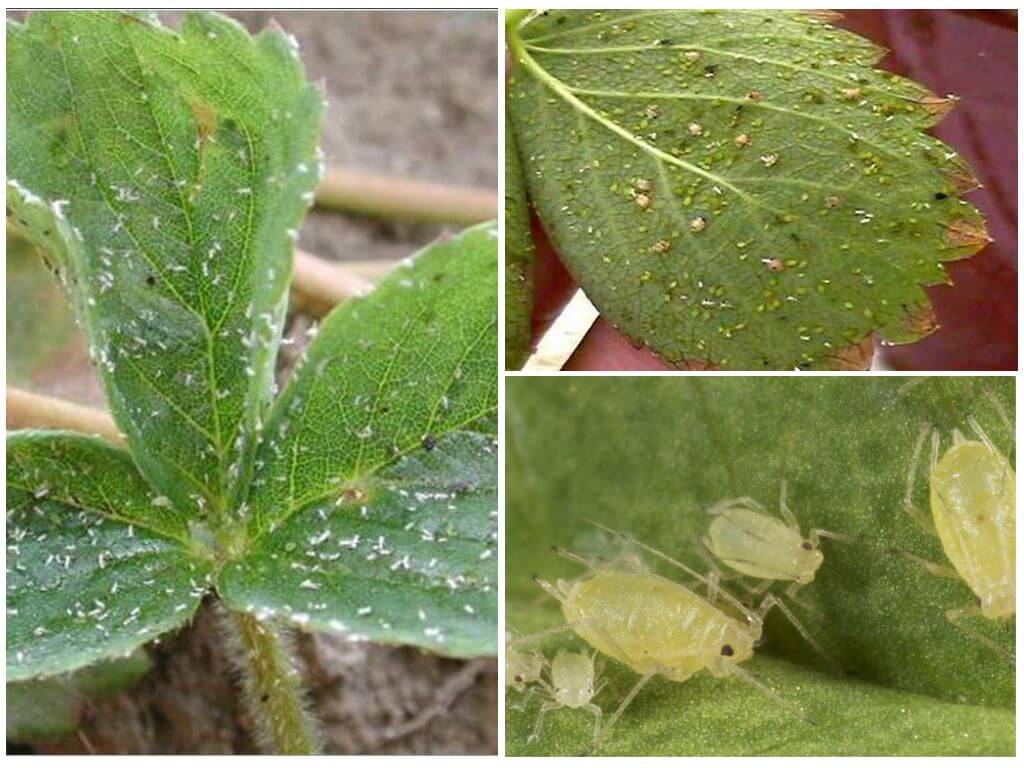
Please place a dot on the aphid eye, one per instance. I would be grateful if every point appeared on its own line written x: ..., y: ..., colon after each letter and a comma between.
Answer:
x: 520, y: 678
x: 727, y: 650
x: 807, y: 545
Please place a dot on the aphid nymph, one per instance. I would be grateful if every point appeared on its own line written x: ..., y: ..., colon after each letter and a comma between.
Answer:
x: 572, y: 685
x: 753, y: 542
x: 972, y: 490
x: 522, y: 668
x: 749, y: 540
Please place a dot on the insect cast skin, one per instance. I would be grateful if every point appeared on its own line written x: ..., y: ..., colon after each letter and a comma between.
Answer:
x: 972, y: 490
x: 655, y: 626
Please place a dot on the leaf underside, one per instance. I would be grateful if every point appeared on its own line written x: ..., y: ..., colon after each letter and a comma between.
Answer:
x: 165, y: 173
x: 650, y: 456
x: 518, y: 259
x: 738, y: 188
x: 374, y: 504
x: 96, y: 564
x: 41, y: 332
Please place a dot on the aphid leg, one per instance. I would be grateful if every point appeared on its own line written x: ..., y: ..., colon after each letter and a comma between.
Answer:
x: 784, y: 510
x: 672, y: 561
x: 758, y: 589
x: 815, y: 535
x: 599, y: 739
x: 529, y: 692
x: 749, y: 679
x: 711, y: 594
x: 740, y: 501
x: 774, y: 602
x: 791, y: 591
x: 546, y: 707
x: 909, y: 507
x: 935, y: 569
x: 954, y: 615
x: 596, y: 712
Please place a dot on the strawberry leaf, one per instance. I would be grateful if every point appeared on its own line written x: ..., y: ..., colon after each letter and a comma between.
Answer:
x: 97, y: 564
x: 374, y: 505
x: 165, y: 173
x: 735, y: 188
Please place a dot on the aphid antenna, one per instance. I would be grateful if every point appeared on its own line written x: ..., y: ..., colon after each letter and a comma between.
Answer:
x: 768, y: 693
x: 752, y: 618
x: 936, y: 445
x: 575, y: 557
x: 1000, y: 408
x: 548, y: 587
x: 981, y: 434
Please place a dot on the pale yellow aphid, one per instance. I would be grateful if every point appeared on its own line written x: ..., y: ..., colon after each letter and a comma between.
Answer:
x: 572, y: 684
x: 972, y: 490
x: 752, y: 542
x: 522, y: 668
x: 655, y: 626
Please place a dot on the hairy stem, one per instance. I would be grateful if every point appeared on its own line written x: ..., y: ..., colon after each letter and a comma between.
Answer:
x: 272, y: 687
x: 394, y: 198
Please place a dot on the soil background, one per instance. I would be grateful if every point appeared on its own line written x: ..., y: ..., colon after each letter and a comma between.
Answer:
x: 410, y: 93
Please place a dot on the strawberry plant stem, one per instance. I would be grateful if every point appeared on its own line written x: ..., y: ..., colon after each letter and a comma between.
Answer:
x: 395, y: 198
x: 27, y: 410
x: 272, y: 688
x: 318, y: 285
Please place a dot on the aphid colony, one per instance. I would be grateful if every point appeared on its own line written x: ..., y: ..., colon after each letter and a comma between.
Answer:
x: 657, y: 626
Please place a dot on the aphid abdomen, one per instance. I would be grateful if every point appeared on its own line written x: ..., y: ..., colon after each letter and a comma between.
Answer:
x: 653, y: 625
x: 973, y: 501
x: 755, y: 544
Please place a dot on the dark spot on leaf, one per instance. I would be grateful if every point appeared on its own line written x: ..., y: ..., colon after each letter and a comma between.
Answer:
x: 727, y: 650
x: 150, y: 281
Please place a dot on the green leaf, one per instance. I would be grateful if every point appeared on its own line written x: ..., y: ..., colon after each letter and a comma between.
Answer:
x: 740, y: 188
x: 518, y: 259
x: 52, y: 707
x: 374, y: 506
x: 96, y: 564
x: 650, y: 455
x: 41, y: 331
x: 166, y: 173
